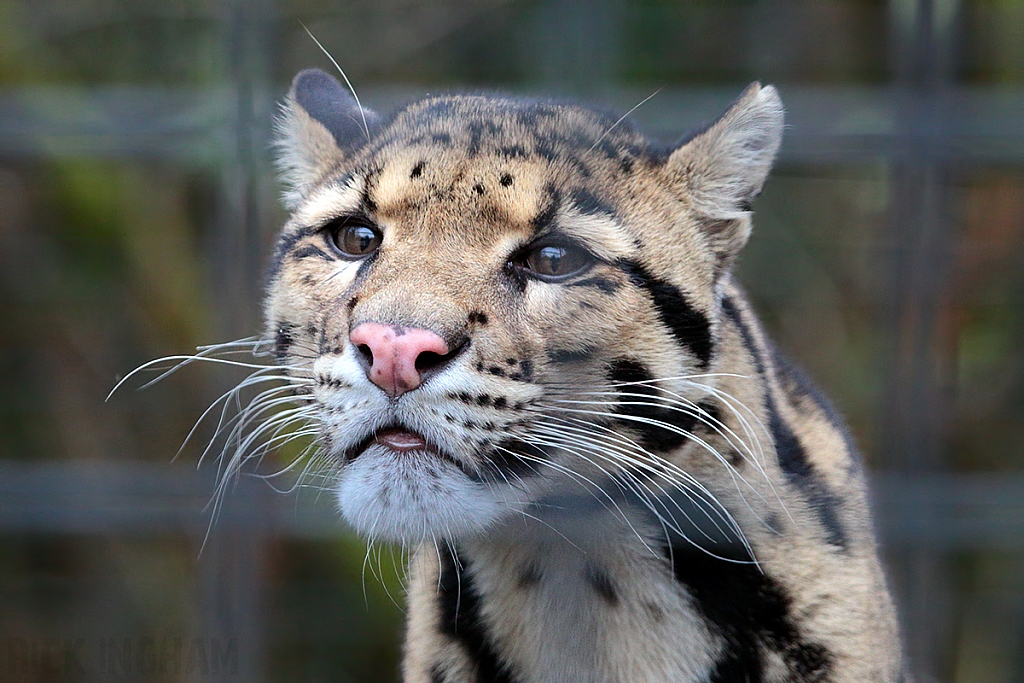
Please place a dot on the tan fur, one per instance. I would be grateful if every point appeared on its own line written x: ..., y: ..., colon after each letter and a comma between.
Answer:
x: 569, y: 570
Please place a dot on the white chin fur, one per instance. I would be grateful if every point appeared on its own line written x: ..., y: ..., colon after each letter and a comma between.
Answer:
x: 411, y: 497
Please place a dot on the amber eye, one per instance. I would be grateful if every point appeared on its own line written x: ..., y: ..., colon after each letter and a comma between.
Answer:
x: 556, y: 261
x: 355, y: 240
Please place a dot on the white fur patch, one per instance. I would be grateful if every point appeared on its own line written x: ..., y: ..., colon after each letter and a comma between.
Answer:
x: 602, y: 235
x: 330, y: 202
x: 413, y: 497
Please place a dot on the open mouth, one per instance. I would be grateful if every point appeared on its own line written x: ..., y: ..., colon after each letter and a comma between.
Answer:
x: 398, y: 439
x: 401, y: 440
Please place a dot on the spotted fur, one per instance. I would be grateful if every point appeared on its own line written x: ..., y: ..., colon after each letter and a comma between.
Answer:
x: 624, y: 480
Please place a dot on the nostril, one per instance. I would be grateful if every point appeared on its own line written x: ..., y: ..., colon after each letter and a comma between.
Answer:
x: 367, y: 353
x: 431, y: 360
x: 428, y: 359
x: 398, y: 358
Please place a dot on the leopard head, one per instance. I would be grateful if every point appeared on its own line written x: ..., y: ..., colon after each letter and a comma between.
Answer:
x: 497, y: 300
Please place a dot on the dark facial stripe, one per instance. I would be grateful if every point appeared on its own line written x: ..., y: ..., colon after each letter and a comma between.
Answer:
x: 461, y: 620
x: 751, y: 611
x: 791, y: 454
x: 284, y: 245
x: 604, y: 284
x: 689, y: 326
x: 311, y: 250
x: 587, y: 202
x: 652, y: 437
x: 543, y: 219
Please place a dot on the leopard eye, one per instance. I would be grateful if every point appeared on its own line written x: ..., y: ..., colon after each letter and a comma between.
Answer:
x: 355, y: 240
x: 555, y: 262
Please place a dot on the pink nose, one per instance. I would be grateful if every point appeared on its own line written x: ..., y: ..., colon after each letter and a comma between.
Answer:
x: 396, y: 354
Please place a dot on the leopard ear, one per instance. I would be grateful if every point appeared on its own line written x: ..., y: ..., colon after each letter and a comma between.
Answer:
x: 320, y: 125
x: 724, y: 167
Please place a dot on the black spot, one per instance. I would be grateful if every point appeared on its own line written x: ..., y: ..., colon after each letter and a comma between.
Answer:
x: 626, y: 165
x: 497, y: 371
x: 690, y: 327
x: 310, y: 250
x: 654, y: 610
x: 511, y: 361
x: 790, y: 452
x: 570, y: 355
x: 500, y: 402
x: 417, y: 170
x: 752, y: 612
x: 479, y: 189
x: 530, y: 576
x: 505, y: 180
x: 351, y: 304
x: 483, y: 400
x: 526, y: 369
x: 477, y: 318
x: 602, y: 585
x: 462, y: 621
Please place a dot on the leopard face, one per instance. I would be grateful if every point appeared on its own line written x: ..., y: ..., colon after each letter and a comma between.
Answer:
x: 496, y: 301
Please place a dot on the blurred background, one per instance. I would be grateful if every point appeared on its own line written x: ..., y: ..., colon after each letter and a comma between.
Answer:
x: 138, y: 207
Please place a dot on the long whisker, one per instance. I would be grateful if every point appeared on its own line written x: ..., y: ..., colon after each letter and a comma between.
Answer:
x: 613, y: 455
x: 337, y: 66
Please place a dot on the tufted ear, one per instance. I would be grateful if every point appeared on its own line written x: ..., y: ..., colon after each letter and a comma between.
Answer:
x: 724, y: 167
x: 320, y: 125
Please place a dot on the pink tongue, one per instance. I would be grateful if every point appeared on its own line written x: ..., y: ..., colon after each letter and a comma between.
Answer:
x: 401, y: 440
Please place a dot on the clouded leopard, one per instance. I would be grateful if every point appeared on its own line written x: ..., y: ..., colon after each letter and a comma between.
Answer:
x: 512, y: 325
